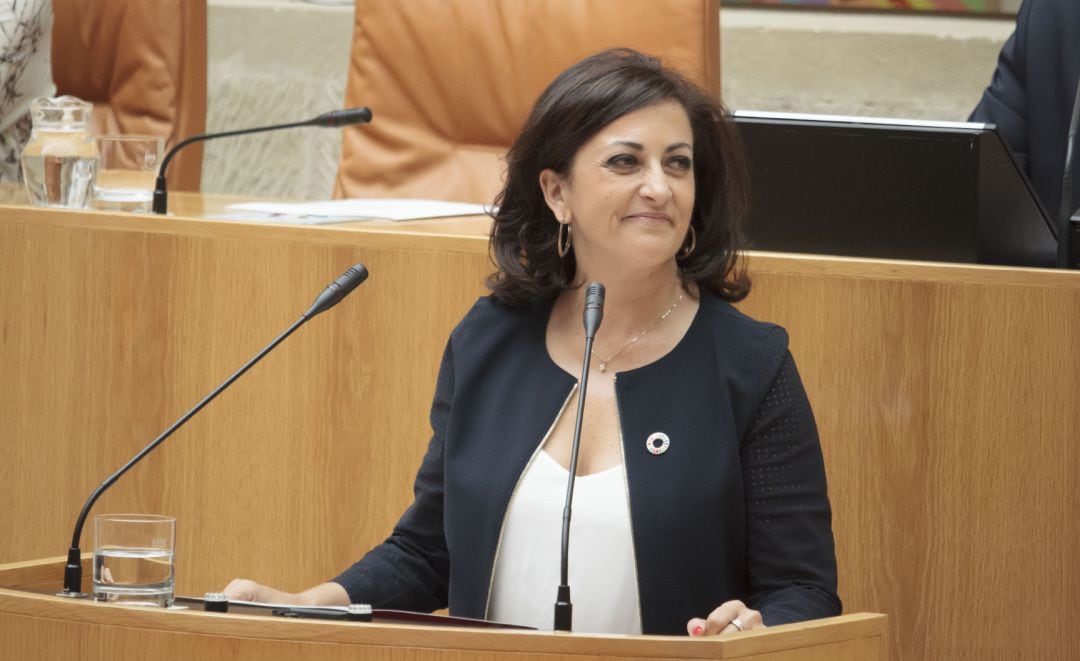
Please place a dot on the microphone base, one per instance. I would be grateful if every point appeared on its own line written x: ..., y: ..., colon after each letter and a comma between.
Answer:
x: 1072, y: 240
x: 73, y: 571
x: 72, y: 595
x: 564, y: 610
x: 161, y: 197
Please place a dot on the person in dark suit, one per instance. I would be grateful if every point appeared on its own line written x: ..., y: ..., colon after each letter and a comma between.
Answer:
x: 1030, y: 97
x: 703, y: 506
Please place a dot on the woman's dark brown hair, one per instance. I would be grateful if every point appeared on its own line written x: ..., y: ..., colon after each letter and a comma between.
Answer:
x: 575, y: 106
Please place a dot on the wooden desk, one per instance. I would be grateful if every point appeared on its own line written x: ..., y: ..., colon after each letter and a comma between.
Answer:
x: 946, y: 397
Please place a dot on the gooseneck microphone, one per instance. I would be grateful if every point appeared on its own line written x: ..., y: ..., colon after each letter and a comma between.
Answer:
x: 337, y: 290
x: 592, y: 316
x: 332, y: 119
x: 1065, y: 209
x: 330, y: 297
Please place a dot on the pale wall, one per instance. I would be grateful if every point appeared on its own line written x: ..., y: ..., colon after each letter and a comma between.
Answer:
x: 282, y: 60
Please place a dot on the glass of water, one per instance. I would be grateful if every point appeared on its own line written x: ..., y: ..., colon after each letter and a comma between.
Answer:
x: 133, y: 559
x: 127, y: 168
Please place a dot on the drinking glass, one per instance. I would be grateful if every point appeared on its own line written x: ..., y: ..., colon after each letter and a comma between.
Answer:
x: 127, y: 168
x: 133, y: 559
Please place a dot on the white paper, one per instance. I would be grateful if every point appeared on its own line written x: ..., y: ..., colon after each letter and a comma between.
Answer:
x: 355, y: 209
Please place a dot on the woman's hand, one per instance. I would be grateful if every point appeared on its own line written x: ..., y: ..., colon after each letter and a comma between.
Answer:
x: 730, y: 616
x: 325, y: 594
x: 241, y: 589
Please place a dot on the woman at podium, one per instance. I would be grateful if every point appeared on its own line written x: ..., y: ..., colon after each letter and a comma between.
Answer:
x: 700, y: 504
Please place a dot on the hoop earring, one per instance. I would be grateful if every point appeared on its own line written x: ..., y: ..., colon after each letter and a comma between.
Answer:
x: 688, y: 250
x: 562, y: 245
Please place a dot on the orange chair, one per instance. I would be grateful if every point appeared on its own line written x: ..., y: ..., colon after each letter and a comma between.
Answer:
x: 142, y: 63
x: 450, y: 83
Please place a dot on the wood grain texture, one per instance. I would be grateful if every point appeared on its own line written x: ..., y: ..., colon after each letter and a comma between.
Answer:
x: 49, y: 638
x: 289, y: 475
x: 945, y: 396
x: 949, y: 420
x: 44, y: 626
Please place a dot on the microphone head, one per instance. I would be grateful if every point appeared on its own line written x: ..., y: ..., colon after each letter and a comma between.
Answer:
x: 338, y: 118
x: 351, y: 279
x: 594, y: 308
x: 338, y: 289
x: 594, y: 295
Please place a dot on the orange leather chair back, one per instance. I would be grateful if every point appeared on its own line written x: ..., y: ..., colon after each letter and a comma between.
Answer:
x: 451, y: 83
x: 142, y: 63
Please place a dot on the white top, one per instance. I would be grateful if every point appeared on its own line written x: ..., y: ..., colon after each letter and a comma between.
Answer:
x: 603, y: 576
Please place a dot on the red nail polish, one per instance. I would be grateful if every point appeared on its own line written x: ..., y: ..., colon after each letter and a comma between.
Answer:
x: 696, y: 631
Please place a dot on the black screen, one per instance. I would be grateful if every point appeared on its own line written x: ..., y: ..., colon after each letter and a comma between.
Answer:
x: 870, y: 188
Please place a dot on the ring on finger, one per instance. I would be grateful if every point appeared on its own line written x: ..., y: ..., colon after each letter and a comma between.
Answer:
x: 737, y: 624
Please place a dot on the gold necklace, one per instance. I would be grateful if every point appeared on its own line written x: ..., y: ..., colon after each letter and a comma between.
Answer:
x: 604, y: 361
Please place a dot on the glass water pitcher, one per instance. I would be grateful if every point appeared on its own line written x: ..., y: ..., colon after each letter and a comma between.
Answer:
x: 60, y: 161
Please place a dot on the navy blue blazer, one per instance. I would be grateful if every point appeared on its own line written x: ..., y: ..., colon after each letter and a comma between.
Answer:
x: 736, y: 508
x: 1030, y: 97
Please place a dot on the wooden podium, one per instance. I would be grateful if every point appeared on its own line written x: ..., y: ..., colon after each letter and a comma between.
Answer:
x: 41, y: 626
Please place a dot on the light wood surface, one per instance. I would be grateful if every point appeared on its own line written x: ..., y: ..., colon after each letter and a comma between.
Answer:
x: 44, y: 626
x: 946, y: 396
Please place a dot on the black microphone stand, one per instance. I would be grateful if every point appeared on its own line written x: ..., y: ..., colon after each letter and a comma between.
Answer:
x: 593, y: 315
x: 1068, y: 230
x: 329, y: 297
x: 333, y: 119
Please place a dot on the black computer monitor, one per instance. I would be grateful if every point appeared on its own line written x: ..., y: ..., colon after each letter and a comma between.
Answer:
x: 890, y: 188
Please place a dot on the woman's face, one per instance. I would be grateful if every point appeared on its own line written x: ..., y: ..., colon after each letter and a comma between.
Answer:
x: 630, y: 191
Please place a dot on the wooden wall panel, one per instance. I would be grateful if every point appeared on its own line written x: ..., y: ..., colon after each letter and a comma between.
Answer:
x: 946, y: 398
x: 110, y: 334
x: 946, y: 401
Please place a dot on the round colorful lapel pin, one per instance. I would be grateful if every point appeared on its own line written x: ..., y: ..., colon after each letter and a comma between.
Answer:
x: 657, y: 443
